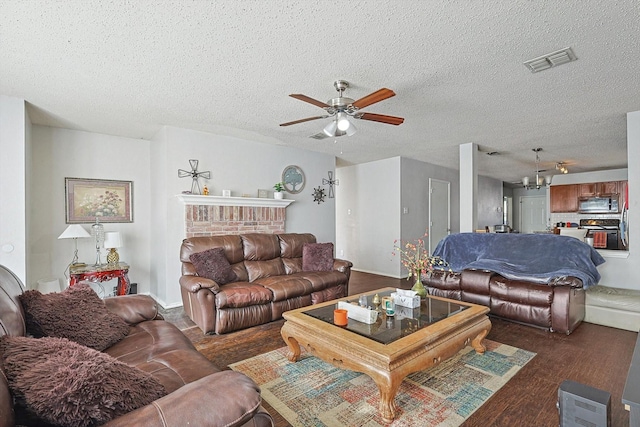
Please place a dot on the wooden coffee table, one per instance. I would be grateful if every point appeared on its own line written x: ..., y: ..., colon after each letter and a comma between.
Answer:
x: 392, y: 348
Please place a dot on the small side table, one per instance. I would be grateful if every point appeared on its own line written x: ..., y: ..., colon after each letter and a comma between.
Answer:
x: 102, y: 273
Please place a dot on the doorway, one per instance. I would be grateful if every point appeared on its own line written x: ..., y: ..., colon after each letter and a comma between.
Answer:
x: 439, y: 211
x: 533, y: 213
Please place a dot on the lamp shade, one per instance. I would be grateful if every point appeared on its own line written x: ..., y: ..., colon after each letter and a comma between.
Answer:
x: 525, y: 181
x: 112, y: 239
x: 74, y: 231
x: 330, y: 129
x: 343, y: 122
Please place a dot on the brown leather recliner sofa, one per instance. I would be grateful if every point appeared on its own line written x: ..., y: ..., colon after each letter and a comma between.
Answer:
x: 558, y: 307
x: 536, y: 279
x: 199, y: 394
x: 270, y: 280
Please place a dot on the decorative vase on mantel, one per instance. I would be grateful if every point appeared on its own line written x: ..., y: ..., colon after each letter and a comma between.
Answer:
x: 419, y: 288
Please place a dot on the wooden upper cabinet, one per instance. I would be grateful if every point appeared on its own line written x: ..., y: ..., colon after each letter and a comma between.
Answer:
x: 593, y: 189
x: 564, y: 198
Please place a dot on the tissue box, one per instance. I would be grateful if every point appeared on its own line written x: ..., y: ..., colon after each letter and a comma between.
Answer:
x: 405, y: 300
x: 361, y: 314
x: 406, y: 312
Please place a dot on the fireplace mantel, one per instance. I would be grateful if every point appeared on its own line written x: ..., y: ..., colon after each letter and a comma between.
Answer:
x: 197, y: 199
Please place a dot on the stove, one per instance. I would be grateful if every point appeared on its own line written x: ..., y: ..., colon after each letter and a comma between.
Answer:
x: 600, y: 224
x: 604, y: 231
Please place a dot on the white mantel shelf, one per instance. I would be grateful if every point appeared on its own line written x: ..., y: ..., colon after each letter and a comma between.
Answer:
x: 198, y: 199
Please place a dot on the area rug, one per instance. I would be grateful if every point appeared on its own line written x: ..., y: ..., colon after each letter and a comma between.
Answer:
x: 311, y: 392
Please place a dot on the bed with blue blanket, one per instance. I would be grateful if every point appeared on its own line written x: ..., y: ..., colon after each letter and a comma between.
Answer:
x: 539, y: 258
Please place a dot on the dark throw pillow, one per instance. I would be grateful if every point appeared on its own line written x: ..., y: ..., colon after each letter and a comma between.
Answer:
x: 67, y: 384
x: 214, y: 265
x: 77, y: 313
x: 317, y: 257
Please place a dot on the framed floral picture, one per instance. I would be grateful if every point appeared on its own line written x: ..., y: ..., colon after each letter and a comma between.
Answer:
x: 106, y: 200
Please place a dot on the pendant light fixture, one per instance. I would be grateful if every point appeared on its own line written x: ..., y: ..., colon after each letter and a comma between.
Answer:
x: 539, y: 180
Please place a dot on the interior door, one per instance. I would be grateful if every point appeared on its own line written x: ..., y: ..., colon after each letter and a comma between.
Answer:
x: 533, y: 213
x: 439, y: 211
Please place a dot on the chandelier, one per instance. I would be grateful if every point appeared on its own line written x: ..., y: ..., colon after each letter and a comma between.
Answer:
x: 539, y: 180
x: 562, y: 167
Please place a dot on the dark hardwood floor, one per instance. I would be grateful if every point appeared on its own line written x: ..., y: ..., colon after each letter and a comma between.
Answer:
x: 594, y: 355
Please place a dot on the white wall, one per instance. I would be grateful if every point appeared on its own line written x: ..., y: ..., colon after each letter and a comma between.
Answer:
x: 152, y: 241
x: 489, y: 201
x: 14, y: 148
x: 59, y: 153
x: 370, y: 205
x: 368, y: 215
x: 240, y: 166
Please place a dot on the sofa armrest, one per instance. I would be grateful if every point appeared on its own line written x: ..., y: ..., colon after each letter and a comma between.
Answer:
x: 195, y: 283
x: 133, y: 308
x: 226, y: 398
x: 341, y: 265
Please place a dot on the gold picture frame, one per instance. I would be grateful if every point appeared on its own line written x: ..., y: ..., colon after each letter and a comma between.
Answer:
x: 107, y: 200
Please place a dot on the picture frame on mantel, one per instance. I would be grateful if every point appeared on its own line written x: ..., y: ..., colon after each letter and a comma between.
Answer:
x: 109, y: 201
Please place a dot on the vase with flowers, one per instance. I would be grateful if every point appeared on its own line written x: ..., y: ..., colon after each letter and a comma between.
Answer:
x: 416, y: 259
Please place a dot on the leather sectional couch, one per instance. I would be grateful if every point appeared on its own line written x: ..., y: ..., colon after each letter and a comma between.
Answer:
x: 198, y: 393
x: 536, y: 279
x: 270, y: 280
x: 558, y: 307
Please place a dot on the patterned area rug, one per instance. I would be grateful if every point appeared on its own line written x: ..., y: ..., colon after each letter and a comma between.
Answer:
x: 311, y: 392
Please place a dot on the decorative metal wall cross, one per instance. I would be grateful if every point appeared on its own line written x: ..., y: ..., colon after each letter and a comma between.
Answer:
x: 195, y: 186
x: 331, y: 182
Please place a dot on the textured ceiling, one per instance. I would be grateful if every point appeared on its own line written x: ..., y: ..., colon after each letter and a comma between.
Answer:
x: 227, y: 66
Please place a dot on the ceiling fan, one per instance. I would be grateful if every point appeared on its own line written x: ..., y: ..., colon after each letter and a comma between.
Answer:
x: 341, y: 108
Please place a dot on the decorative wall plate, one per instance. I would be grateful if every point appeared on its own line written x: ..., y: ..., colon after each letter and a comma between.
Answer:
x: 293, y: 179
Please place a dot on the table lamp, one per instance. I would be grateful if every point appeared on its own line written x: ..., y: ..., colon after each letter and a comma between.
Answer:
x: 112, y: 241
x: 75, y: 232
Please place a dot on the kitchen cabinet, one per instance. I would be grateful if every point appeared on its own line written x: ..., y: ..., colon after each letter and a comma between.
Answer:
x: 564, y: 198
x: 593, y: 189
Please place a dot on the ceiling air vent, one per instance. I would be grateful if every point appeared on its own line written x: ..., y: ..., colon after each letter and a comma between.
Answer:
x: 319, y: 135
x: 549, y: 60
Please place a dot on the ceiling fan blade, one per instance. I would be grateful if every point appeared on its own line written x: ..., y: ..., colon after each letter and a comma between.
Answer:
x: 305, y: 98
x: 391, y: 120
x: 372, y: 98
x: 303, y: 120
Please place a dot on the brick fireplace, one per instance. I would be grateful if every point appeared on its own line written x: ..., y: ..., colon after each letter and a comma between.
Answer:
x: 212, y: 215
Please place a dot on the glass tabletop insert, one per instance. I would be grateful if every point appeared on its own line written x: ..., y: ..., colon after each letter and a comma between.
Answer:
x: 388, y: 329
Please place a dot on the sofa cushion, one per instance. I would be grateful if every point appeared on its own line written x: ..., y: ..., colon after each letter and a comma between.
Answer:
x: 291, y: 244
x: 260, y: 247
x: 317, y: 257
x: 260, y: 269
x: 284, y: 287
x: 77, y: 313
x: 242, y: 294
x: 214, y: 265
x: 65, y: 383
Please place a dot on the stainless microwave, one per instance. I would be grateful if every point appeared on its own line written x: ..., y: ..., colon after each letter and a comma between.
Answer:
x: 595, y: 205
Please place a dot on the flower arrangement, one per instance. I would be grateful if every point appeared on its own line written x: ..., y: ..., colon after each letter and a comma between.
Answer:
x: 415, y: 258
x: 107, y: 204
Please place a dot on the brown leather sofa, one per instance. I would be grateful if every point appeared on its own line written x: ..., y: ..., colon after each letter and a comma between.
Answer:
x: 270, y: 281
x: 558, y: 307
x: 199, y: 394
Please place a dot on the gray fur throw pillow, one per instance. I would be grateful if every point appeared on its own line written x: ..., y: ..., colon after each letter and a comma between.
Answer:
x: 213, y: 264
x: 77, y: 313
x: 66, y: 384
x: 317, y: 257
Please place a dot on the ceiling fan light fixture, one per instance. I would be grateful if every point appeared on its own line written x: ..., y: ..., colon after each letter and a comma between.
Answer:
x: 343, y: 122
x: 351, y: 129
x: 331, y: 128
